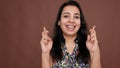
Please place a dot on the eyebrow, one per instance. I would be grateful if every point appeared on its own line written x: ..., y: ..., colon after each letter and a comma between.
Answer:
x: 66, y: 13
x: 69, y: 13
x: 77, y: 13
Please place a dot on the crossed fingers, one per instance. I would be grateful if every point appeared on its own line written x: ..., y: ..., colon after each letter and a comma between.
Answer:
x: 92, y: 36
x: 45, y: 36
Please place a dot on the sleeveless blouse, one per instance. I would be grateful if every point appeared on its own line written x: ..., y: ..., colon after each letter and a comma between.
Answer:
x: 69, y: 61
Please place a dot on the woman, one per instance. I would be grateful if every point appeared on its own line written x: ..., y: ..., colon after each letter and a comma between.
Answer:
x: 72, y: 46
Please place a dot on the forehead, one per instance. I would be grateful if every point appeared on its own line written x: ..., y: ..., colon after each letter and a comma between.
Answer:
x: 71, y: 9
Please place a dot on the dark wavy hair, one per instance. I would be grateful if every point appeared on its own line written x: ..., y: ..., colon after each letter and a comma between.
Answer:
x: 56, y: 51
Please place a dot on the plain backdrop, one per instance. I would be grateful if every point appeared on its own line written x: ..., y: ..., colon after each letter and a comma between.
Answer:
x: 22, y: 21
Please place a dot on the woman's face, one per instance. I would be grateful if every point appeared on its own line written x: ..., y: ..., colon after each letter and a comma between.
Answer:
x: 70, y: 20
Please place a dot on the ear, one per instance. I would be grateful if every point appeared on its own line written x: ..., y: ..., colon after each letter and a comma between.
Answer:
x: 58, y: 22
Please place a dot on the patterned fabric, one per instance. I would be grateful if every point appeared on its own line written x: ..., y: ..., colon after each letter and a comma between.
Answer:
x: 69, y: 60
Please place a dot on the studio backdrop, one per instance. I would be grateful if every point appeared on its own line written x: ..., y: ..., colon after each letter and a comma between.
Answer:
x: 22, y: 21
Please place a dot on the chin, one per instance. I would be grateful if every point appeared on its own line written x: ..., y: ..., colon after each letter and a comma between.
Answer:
x: 71, y: 33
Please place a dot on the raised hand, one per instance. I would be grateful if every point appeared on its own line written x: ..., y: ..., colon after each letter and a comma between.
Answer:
x: 92, y: 42
x: 46, y: 42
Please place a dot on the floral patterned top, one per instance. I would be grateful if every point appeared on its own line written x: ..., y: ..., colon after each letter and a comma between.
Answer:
x: 69, y: 61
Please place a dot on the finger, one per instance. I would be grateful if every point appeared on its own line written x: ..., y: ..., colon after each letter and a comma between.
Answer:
x: 45, y: 29
x: 49, y: 40
x: 91, y: 33
x: 94, y: 27
x: 93, y: 37
x: 44, y: 35
x: 94, y: 33
x: 88, y: 38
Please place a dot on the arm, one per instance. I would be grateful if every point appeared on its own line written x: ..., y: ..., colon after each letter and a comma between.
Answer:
x: 46, y: 61
x: 95, y: 60
x: 93, y: 47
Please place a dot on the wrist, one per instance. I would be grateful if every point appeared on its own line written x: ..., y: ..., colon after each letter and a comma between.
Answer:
x: 95, y: 60
x: 45, y: 55
x: 95, y: 55
x: 46, y: 60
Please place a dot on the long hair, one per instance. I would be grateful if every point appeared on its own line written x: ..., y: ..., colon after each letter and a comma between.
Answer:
x: 56, y: 51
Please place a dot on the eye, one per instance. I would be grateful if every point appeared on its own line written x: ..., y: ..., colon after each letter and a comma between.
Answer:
x: 77, y: 17
x: 65, y: 16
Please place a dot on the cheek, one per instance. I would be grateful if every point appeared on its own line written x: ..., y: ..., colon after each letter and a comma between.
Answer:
x: 78, y: 23
x: 62, y: 23
x: 62, y: 26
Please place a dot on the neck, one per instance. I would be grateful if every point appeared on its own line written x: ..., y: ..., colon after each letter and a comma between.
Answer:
x: 69, y: 38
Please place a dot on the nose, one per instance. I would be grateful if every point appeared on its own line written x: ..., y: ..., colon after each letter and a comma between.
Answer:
x: 71, y: 19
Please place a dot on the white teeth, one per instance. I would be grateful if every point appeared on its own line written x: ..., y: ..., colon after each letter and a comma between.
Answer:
x: 70, y: 26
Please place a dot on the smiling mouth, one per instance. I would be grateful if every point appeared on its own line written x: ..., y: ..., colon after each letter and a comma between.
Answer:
x: 70, y: 27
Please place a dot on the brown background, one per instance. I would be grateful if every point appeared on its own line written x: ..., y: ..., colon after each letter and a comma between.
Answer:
x: 21, y: 23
